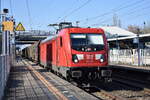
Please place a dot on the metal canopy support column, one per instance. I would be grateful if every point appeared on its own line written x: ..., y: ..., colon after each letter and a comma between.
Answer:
x: 138, y: 48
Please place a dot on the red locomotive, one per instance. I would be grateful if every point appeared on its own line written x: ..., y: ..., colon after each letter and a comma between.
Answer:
x: 76, y: 53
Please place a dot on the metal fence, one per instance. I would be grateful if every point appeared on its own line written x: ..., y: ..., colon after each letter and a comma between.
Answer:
x: 4, y: 72
x: 0, y: 43
x: 130, y: 57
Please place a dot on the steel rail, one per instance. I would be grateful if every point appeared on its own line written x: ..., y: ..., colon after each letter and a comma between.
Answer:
x: 137, y: 85
x: 68, y: 85
x: 103, y: 94
x: 50, y: 87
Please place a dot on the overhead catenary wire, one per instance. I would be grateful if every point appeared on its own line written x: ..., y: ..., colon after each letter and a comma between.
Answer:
x: 108, y: 19
x: 29, y: 14
x: 135, y: 7
x: 139, y: 15
x: 137, y: 10
x: 124, y: 15
x: 116, y: 9
x: 68, y: 9
x: 75, y: 10
x: 11, y: 7
x: 101, y: 15
x: 129, y: 5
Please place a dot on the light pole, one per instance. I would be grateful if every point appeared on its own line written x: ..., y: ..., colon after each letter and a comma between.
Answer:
x: 77, y: 23
x: 144, y: 28
x: 0, y: 29
x: 4, y: 33
x: 138, y: 48
x: 0, y: 13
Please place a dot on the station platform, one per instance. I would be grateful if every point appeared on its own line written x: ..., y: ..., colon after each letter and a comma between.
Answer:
x: 145, y: 69
x: 24, y: 84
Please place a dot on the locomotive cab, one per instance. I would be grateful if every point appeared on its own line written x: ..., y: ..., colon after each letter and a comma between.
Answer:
x: 89, y: 54
x: 77, y: 53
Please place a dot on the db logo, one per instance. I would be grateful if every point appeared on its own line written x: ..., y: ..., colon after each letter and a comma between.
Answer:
x: 90, y: 56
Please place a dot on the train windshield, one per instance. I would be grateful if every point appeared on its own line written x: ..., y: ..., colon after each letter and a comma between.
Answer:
x: 87, y: 42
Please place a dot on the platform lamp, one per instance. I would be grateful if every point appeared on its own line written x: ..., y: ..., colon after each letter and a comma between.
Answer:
x: 5, y: 10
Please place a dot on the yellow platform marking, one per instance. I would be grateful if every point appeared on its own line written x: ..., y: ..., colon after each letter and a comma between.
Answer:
x: 50, y: 87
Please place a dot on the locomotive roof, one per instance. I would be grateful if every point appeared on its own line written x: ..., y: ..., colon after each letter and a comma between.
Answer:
x: 55, y: 35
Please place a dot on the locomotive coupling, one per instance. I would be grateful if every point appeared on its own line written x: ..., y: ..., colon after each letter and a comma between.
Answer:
x: 93, y: 75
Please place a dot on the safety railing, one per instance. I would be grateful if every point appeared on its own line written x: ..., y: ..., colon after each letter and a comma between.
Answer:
x: 130, y: 57
x: 4, y: 72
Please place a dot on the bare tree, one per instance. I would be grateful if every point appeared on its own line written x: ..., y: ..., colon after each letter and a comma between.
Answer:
x: 133, y: 28
x: 143, y: 30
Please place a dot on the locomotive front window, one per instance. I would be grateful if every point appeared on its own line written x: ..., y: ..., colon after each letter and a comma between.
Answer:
x: 96, y: 39
x: 87, y: 42
x: 78, y: 39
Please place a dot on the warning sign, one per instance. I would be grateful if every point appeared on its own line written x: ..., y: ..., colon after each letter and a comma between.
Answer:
x: 20, y: 27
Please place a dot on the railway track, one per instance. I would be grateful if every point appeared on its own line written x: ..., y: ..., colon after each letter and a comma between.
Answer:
x: 117, y: 90
x: 122, y: 89
x: 67, y: 89
x: 100, y: 94
x: 50, y: 87
x: 143, y: 89
x: 132, y: 81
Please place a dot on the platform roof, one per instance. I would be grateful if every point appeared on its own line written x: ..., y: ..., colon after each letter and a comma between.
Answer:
x: 141, y: 36
x: 113, y: 31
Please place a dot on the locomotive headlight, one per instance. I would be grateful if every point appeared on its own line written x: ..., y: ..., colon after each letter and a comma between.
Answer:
x: 101, y: 60
x: 100, y: 57
x: 75, y: 58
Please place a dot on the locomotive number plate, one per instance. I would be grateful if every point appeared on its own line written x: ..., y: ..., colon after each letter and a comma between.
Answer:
x: 89, y: 58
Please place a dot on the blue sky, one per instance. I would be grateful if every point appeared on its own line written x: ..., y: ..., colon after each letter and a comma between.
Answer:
x: 92, y: 13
